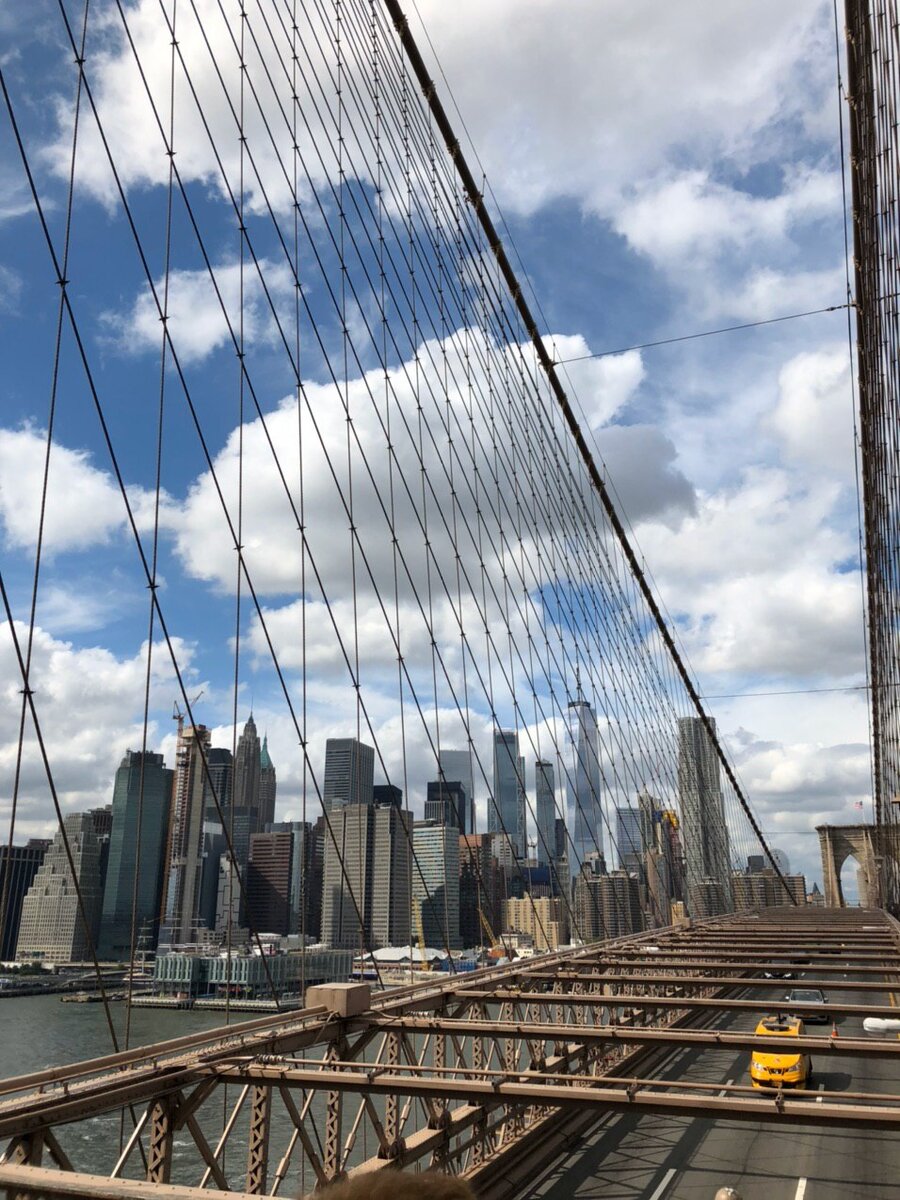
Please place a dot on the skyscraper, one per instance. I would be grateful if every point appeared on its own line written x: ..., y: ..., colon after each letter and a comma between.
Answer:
x: 387, y: 793
x: 457, y: 764
x: 303, y: 845
x: 268, y: 786
x: 630, y: 842
x: 545, y: 810
x: 18, y: 867
x: 435, y: 883
x: 584, y: 790
x: 367, y: 864
x: 349, y: 773
x: 247, y: 766
x: 181, y: 904
x: 269, y: 881
x: 481, y: 889
x: 506, y: 814
x: 141, y: 809
x: 447, y: 803
x: 704, y: 830
x: 217, y: 783
x: 392, y: 869
x: 52, y: 927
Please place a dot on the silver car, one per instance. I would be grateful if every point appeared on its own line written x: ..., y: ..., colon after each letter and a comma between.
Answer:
x: 808, y: 1004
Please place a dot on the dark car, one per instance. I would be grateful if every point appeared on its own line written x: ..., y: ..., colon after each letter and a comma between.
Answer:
x: 808, y: 1003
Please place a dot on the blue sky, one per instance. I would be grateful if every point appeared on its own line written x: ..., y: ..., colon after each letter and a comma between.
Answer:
x: 661, y: 170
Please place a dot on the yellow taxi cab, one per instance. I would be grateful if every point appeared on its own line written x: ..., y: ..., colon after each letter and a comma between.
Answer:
x: 769, y: 1068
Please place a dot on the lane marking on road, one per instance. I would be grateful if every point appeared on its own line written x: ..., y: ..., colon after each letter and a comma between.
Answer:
x: 820, y: 1089
x: 801, y: 1189
x: 664, y: 1183
x: 728, y: 1083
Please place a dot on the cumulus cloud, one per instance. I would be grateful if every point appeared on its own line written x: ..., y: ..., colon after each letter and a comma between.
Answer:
x: 84, y: 505
x: 598, y: 112
x: 603, y: 386
x: 89, y: 702
x: 692, y: 215
x: 451, y: 376
x: 196, y: 321
x: 648, y: 486
x: 814, y: 413
x: 757, y: 581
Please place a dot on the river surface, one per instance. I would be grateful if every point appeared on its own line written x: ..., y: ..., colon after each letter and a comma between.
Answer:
x: 40, y: 1031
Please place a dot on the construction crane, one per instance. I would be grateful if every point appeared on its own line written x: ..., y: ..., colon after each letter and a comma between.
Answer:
x: 178, y: 715
x: 497, y: 950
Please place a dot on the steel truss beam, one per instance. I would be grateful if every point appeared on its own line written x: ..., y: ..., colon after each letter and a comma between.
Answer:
x: 702, y: 1039
x: 658, y: 978
x: 628, y: 1000
x: 637, y: 1095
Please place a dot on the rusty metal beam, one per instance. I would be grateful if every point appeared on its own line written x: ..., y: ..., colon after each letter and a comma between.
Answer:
x: 629, y: 1000
x: 258, y: 1142
x: 721, y: 981
x: 162, y: 1128
x: 827, y: 967
x: 641, y: 1034
x: 637, y: 1096
x: 46, y: 1181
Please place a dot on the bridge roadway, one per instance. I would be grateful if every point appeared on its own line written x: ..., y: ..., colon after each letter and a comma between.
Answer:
x: 483, y: 1061
x: 674, y: 1158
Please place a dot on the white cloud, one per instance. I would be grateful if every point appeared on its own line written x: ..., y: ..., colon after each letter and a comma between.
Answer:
x: 593, y: 100
x: 694, y: 216
x: 572, y: 101
x: 84, y: 505
x: 603, y: 385
x: 757, y: 579
x: 768, y: 291
x: 814, y: 414
x: 195, y: 318
x: 89, y: 702
x: 11, y: 285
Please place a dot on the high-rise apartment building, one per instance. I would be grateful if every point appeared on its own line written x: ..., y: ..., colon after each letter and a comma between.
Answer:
x: 301, y: 885
x: 53, y: 928
x: 506, y: 814
x: 583, y: 784
x: 132, y: 893
x: 606, y: 904
x: 18, y: 867
x: 763, y: 889
x: 349, y: 773
x: 181, y: 902
x: 540, y: 918
x: 435, y: 883
x: 703, y: 825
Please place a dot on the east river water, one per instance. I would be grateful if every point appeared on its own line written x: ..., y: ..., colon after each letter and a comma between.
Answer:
x: 40, y: 1031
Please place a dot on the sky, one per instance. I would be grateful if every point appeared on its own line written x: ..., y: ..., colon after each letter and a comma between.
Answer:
x: 657, y: 171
